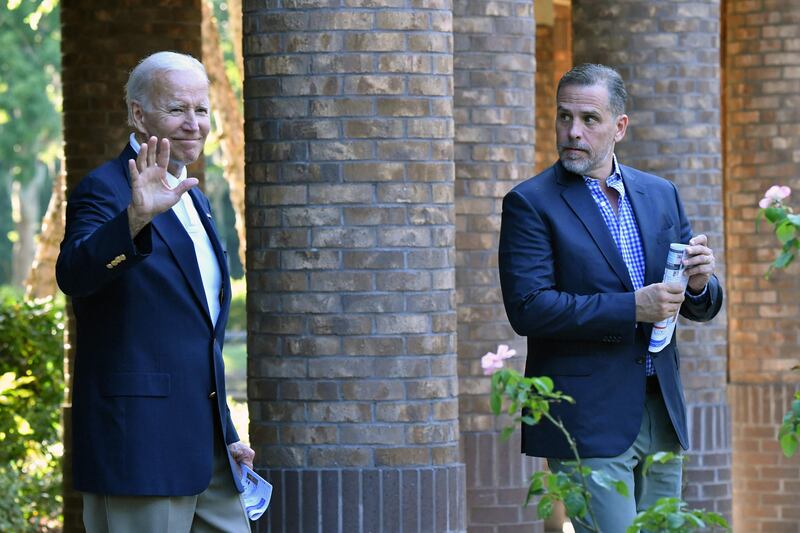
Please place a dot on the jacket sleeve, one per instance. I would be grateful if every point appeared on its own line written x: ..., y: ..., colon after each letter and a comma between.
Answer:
x: 97, y: 246
x: 535, y: 306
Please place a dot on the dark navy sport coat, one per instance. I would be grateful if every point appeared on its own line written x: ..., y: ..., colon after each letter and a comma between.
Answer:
x: 148, y: 397
x: 567, y: 289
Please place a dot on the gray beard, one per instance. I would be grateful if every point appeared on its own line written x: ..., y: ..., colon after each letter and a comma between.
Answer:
x: 576, y: 167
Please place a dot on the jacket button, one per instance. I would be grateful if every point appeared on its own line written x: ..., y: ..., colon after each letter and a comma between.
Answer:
x: 212, y: 395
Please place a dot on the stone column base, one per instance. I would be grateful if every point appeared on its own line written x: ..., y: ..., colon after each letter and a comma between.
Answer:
x: 707, y: 469
x: 498, y: 477
x: 360, y: 500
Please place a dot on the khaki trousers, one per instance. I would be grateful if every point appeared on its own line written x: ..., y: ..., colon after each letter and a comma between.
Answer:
x: 614, y: 512
x: 218, y: 509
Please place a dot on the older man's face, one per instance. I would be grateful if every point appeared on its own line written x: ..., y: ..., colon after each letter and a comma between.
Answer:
x: 178, y: 111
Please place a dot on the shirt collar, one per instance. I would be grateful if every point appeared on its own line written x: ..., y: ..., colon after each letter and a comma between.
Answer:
x: 172, y: 181
x: 614, y: 179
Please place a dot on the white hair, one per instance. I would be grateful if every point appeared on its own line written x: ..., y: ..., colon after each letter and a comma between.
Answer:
x: 142, y: 76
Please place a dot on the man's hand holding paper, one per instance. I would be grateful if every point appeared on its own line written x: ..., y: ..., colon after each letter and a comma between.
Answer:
x: 699, y: 263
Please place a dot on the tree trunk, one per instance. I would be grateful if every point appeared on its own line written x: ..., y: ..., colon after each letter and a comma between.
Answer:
x: 25, y: 207
x: 235, y: 26
x: 228, y: 117
x: 41, y: 280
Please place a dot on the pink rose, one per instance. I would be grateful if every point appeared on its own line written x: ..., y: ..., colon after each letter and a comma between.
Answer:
x: 492, y: 362
x: 774, y: 194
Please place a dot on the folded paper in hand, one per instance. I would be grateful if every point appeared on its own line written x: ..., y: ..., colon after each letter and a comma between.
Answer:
x: 256, y: 495
x: 673, y: 273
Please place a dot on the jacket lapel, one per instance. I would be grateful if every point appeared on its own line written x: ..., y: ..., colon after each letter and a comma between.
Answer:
x: 646, y: 210
x: 213, y: 236
x: 580, y: 200
x: 180, y: 245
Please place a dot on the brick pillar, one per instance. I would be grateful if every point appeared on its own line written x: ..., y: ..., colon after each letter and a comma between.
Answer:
x: 494, y: 103
x: 100, y: 43
x: 350, y: 218
x: 762, y: 147
x: 668, y: 53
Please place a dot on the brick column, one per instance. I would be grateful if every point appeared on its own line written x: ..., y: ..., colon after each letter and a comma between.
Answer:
x: 668, y: 53
x: 762, y: 147
x: 100, y: 43
x: 494, y: 103
x: 350, y: 218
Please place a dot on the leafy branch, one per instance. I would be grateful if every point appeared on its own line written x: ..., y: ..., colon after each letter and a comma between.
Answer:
x: 786, y: 225
x: 529, y: 400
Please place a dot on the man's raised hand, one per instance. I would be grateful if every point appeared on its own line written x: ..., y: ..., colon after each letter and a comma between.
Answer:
x: 150, y: 192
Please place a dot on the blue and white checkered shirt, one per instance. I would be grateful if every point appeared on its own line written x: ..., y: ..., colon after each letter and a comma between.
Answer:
x: 624, y: 230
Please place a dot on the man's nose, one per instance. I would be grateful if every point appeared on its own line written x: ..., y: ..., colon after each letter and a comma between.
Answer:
x: 575, y: 130
x: 190, y: 121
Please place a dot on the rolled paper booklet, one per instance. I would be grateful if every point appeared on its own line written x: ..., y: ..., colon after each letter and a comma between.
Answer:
x: 674, y: 271
x: 257, y: 493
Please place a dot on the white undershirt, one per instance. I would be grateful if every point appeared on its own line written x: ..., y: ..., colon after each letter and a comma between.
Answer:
x: 203, y: 250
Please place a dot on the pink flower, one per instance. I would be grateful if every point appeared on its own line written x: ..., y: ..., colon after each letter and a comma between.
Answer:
x: 492, y: 362
x: 774, y: 195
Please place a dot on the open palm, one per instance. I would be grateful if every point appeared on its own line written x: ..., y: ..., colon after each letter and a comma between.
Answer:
x: 151, y: 195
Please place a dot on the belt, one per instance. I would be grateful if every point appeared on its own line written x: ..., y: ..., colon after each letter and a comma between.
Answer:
x: 651, y: 385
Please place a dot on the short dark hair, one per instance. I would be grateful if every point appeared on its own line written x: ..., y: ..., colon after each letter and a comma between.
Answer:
x: 589, y: 74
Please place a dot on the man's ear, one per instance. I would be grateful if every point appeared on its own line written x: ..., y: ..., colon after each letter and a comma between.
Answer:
x: 622, y: 127
x: 137, y: 112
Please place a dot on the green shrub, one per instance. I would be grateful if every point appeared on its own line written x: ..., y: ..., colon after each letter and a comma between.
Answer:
x: 31, y: 392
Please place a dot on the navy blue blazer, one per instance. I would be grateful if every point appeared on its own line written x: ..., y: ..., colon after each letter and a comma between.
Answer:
x: 148, y: 397
x: 567, y: 289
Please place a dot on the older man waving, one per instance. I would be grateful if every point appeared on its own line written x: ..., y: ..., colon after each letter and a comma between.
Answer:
x: 154, y: 445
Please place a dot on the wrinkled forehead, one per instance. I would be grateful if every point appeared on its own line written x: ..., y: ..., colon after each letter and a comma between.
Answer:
x: 584, y: 98
x: 182, y: 85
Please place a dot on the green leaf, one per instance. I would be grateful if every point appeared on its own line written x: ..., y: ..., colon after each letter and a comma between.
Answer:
x: 506, y: 433
x: 659, y: 457
x: 789, y: 444
x: 784, y: 231
x: 716, y: 519
x: 695, y: 520
x: 602, y: 479
x: 543, y: 384
x: 774, y: 214
x: 784, y: 259
x: 496, y: 403
x: 575, y: 504
x: 545, y: 508
x: 621, y: 488
x: 675, y: 521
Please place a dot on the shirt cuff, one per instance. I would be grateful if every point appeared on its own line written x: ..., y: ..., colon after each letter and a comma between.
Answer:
x: 696, y: 297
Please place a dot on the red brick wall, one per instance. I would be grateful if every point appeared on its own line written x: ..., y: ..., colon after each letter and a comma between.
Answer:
x: 100, y: 44
x: 762, y: 143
